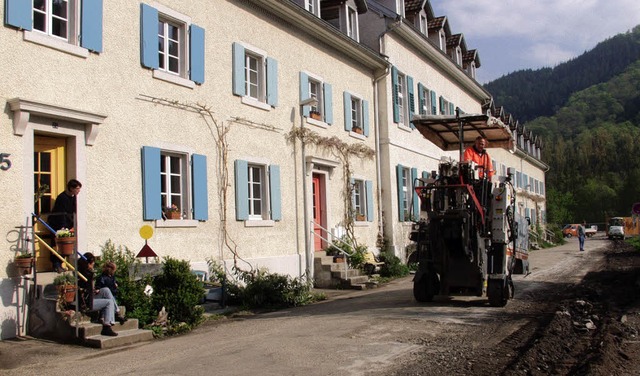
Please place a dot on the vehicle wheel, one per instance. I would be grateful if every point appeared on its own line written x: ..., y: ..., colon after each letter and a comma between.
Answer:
x: 498, y: 293
x: 423, y: 291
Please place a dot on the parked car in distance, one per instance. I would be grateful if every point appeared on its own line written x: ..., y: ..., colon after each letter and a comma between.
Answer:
x: 572, y: 230
x: 615, y: 228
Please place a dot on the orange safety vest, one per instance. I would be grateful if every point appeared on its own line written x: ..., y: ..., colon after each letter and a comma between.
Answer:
x: 482, y: 159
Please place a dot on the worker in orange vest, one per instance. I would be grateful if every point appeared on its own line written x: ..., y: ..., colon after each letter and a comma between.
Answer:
x: 479, y: 155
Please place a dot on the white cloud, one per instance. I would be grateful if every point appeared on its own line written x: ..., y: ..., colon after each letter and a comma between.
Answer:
x: 517, y: 34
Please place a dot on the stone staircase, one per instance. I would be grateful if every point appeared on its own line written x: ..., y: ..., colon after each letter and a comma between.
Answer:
x: 47, y: 321
x: 332, y: 275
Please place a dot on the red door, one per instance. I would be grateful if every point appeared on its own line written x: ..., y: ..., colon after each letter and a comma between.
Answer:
x: 318, y: 212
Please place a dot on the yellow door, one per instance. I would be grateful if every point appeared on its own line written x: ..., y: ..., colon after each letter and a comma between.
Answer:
x: 49, y: 178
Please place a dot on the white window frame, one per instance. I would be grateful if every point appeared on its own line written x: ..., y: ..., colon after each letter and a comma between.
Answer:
x: 445, y: 106
x: 423, y: 22
x: 168, y: 15
x: 261, y: 80
x: 71, y: 44
x: 459, y: 55
x: 352, y: 23
x: 263, y: 202
x: 426, y: 106
x: 264, y: 219
x: 407, y: 194
x: 168, y: 194
x: 403, y: 100
x: 359, y: 199
x: 442, y: 39
x: 356, y: 112
x: 165, y: 56
x: 313, y: 6
x: 316, y: 91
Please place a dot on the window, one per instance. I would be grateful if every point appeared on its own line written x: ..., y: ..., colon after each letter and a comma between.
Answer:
x: 313, y: 87
x: 60, y: 24
x: 423, y: 23
x: 427, y: 101
x: 356, y: 114
x: 257, y: 191
x: 443, y: 41
x: 174, y: 178
x: 171, y: 46
x: 313, y: 6
x: 408, y: 202
x: 352, y: 23
x: 255, y: 77
x: 362, y: 199
x: 403, y: 98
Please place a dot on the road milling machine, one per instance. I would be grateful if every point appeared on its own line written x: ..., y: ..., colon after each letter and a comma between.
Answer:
x: 469, y: 238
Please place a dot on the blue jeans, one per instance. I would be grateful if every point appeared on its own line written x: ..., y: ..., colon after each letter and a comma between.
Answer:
x: 581, y: 240
x: 104, y: 302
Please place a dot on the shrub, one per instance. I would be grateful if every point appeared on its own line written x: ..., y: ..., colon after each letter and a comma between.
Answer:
x: 635, y: 242
x: 355, y: 254
x: 266, y: 290
x: 392, y: 267
x: 179, y: 291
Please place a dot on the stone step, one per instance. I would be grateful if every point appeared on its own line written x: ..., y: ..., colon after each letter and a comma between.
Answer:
x: 89, y: 329
x: 125, y: 337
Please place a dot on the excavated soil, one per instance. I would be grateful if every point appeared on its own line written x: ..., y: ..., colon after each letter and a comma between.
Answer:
x: 588, y: 328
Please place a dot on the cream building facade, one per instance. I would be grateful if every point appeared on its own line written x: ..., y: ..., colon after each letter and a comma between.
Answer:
x: 200, y: 105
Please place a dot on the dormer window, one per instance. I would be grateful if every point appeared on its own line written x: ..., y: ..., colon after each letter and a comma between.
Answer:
x: 459, y: 55
x: 423, y: 23
x: 443, y: 41
x: 313, y: 6
x: 352, y: 23
x: 343, y: 17
x: 471, y: 69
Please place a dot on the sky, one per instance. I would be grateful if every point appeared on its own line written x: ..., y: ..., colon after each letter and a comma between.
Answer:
x: 512, y: 35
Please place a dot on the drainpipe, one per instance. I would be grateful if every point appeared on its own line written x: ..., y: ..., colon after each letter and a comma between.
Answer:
x: 308, y: 249
x: 376, y: 120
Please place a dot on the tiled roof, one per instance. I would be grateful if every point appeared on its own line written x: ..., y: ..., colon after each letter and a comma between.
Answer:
x: 437, y: 23
x: 411, y: 6
x: 454, y: 40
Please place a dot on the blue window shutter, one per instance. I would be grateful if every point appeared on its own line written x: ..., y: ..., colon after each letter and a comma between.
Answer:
x: 414, y: 196
x: 304, y: 92
x: 441, y: 105
x: 434, y: 105
x: 18, y: 13
x: 394, y: 91
x: 365, y: 118
x: 272, y: 82
x: 399, y: 169
x: 347, y: 111
x: 242, y: 190
x: 412, y: 102
x: 200, y: 193
x: 452, y: 109
x: 196, y: 49
x: 238, y: 70
x: 151, y: 196
x: 149, y: 37
x: 275, y: 192
x: 91, y: 29
x: 425, y: 175
x: 421, y: 99
x: 369, y: 188
x: 328, y: 103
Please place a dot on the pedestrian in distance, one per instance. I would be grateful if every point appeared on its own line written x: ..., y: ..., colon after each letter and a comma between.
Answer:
x: 582, y: 235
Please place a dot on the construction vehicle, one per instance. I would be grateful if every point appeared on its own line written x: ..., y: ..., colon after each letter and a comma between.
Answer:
x: 469, y: 238
x: 615, y: 228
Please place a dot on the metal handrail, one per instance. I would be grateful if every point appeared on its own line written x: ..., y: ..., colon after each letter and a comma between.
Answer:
x: 346, y: 254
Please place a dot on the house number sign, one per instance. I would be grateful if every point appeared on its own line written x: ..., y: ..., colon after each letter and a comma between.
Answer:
x: 5, y: 163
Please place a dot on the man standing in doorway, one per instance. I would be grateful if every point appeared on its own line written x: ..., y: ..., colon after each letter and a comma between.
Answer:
x: 62, y: 214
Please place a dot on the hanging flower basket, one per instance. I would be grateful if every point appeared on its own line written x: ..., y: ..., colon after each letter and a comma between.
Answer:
x: 65, y: 245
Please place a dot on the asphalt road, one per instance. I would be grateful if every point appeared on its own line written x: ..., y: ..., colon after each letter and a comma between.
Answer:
x: 353, y: 333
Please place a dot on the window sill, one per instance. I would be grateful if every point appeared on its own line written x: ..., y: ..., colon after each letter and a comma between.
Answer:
x: 259, y: 223
x: 404, y: 127
x: 361, y: 224
x: 172, y: 223
x: 317, y: 123
x: 169, y: 77
x: 255, y: 103
x: 56, y: 44
x: 359, y: 136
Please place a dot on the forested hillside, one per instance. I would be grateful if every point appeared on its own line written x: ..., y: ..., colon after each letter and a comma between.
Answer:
x: 531, y: 93
x: 593, y: 147
x: 587, y: 112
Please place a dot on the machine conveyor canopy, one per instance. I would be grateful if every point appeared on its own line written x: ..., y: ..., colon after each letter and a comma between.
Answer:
x: 446, y: 131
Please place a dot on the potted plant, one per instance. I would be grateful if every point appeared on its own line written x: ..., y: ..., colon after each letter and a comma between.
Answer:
x: 315, y: 115
x: 24, y: 262
x: 172, y: 212
x: 66, y: 284
x: 357, y: 130
x: 65, y: 241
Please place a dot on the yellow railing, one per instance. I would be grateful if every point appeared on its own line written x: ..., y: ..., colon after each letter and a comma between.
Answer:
x: 58, y: 256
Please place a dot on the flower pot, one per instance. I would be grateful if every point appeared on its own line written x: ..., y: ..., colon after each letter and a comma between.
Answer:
x: 68, y: 293
x: 360, y: 218
x: 173, y: 215
x: 339, y: 259
x: 65, y: 245
x: 24, y: 265
x: 315, y: 115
